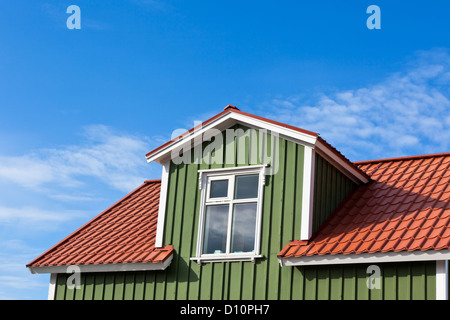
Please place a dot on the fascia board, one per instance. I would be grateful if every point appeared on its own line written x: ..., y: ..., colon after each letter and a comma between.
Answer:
x: 345, y: 167
x: 378, y: 257
x: 109, y: 267
x: 163, y: 154
x: 226, y: 121
x: 301, y: 137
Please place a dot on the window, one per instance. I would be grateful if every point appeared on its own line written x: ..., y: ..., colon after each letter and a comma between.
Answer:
x: 229, y: 225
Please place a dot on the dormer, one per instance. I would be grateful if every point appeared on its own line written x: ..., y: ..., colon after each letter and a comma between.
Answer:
x: 231, y: 179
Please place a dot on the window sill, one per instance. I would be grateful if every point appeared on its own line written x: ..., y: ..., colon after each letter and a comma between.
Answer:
x: 227, y: 258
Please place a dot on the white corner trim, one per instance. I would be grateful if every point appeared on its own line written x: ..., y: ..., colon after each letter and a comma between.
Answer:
x: 307, y: 194
x: 162, y: 205
x: 378, y: 257
x: 107, y: 267
x: 52, y: 287
x: 442, y: 280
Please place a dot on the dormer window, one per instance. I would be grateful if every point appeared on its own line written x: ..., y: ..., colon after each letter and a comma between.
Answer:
x: 230, y: 214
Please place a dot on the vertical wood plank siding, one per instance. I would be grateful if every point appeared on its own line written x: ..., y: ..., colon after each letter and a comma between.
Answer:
x: 398, y: 281
x: 281, y: 217
x: 330, y: 187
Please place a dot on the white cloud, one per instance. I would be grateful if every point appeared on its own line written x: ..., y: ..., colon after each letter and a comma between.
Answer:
x: 20, y: 282
x: 406, y: 113
x: 31, y: 215
x: 16, y: 281
x: 116, y: 160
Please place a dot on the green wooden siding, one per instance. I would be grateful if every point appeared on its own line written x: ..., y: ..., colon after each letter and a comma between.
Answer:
x: 281, y: 218
x: 236, y: 280
x: 330, y: 187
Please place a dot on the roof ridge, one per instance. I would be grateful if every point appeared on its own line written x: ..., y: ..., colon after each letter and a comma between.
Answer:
x: 232, y: 109
x: 153, y: 181
x: 423, y: 156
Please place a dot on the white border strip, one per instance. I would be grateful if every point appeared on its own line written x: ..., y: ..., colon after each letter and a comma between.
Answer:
x: 52, y: 287
x: 300, y: 137
x: 108, y: 267
x: 227, y: 258
x: 307, y: 194
x: 378, y: 257
x: 442, y: 280
x: 162, y: 205
x: 339, y: 163
x: 256, y: 168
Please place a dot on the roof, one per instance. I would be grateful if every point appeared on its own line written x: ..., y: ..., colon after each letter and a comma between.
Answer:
x: 124, y: 233
x: 229, y: 109
x: 310, y: 137
x: 405, y: 207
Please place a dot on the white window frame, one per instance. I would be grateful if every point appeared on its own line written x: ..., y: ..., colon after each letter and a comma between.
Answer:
x: 205, y: 177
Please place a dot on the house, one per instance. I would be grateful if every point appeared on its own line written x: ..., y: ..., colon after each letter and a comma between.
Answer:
x: 250, y: 208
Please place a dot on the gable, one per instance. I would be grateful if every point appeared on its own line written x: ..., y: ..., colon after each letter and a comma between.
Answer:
x: 231, y: 116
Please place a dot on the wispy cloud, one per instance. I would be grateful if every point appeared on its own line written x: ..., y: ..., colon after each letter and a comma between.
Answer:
x: 406, y: 113
x: 114, y: 159
x: 34, y: 216
x: 43, y: 181
x: 16, y: 282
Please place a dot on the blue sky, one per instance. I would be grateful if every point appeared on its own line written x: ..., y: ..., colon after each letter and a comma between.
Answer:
x: 80, y: 108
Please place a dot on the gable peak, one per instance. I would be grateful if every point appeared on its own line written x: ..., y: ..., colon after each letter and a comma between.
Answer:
x: 228, y: 107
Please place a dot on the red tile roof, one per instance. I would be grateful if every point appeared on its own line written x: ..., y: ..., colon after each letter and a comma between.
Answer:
x: 405, y: 207
x: 124, y: 233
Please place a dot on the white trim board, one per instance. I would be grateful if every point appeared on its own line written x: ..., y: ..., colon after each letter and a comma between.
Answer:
x: 340, y: 164
x: 226, y: 258
x: 225, y: 121
x: 108, y: 267
x: 162, y: 205
x: 307, y: 193
x: 52, y: 287
x: 442, y: 280
x: 378, y: 257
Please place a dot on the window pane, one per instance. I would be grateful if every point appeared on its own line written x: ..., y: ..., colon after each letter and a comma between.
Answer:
x: 244, y: 226
x: 246, y: 186
x: 215, y: 236
x: 219, y: 189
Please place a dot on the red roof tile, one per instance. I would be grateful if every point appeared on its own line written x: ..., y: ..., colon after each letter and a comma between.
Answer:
x: 124, y: 233
x: 405, y: 207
